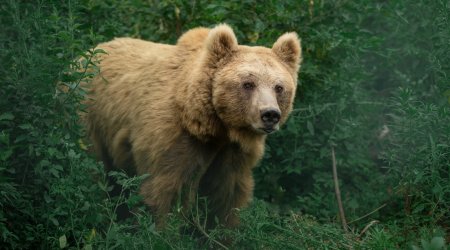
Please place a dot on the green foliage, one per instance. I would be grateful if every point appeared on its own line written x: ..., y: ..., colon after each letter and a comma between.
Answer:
x: 264, y: 229
x: 437, y: 243
x: 376, y: 53
x: 374, y: 85
x: 50, y: 187
x: 423, y: 175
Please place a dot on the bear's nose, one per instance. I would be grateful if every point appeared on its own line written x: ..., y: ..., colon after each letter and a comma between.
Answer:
x: 270, y: 117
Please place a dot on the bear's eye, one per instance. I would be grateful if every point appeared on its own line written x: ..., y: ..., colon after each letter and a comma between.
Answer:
x: 248, y: 85
x: 279, y: 89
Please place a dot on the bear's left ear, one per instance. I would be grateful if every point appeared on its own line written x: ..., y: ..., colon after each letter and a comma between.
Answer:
x: 221, y: 42
x: 289, y: 50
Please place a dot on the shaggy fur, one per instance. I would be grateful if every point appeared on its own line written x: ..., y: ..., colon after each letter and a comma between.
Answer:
x: 190, y: 114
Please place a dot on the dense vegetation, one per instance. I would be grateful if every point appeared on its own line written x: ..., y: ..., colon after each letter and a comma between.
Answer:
x: 374, y: 87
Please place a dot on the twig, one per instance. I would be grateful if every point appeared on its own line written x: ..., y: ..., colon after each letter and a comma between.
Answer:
x: 338, y: 191
x: 367, y: 227
x: 364, y: 216
x: 83, y: 74
x: 199, y: 228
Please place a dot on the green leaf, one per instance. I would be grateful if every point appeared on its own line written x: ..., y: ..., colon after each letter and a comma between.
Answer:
x: 54, y: 172
x: 99, y: 51
x: 72, y: 154
x: 437, y: 243
x: 47, y: 198
x: 87, y: 247
x: 419, y: 208
x: 6, y: 116
x: 6, y: 154
x: 425, y: 244
x: 26, y: 126
x: 62, y: 241
x: 54, y: 221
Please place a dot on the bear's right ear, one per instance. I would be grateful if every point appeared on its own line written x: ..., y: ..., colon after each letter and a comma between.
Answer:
x: 221, y: 42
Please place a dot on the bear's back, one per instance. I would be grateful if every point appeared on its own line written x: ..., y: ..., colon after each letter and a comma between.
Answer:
x: 131, y: 54
x: 134, y: 86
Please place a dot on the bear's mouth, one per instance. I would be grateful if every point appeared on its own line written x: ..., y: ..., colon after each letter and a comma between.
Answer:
x: 266, y: 129
x: 269, y: 130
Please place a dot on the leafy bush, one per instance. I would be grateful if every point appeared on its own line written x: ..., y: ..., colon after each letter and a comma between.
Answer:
x: 50, y: 187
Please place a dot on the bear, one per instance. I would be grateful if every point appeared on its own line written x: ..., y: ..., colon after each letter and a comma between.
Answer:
x: 194, y: 115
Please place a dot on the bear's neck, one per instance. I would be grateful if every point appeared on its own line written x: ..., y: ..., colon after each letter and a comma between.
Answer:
x: 249, y: 141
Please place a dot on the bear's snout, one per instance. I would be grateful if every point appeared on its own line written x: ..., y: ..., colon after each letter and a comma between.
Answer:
x: 270, y: 117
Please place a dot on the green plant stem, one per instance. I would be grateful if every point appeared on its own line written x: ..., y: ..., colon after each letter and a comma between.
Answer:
x: 338, y: 192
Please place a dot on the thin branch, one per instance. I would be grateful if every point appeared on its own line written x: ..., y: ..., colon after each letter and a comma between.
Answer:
x: 338, y: 191
x: 202, y: 231
x: 367, y: 228
x: 364, y: 216
x: 83, y: 75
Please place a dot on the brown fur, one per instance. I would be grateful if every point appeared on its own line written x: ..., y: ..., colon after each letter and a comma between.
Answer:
x: 180, y: 113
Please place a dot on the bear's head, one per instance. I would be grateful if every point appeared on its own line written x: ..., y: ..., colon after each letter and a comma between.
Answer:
x: 251, y: 89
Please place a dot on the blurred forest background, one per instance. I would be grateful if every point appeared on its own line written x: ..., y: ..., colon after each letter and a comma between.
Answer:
x: 374, y: 86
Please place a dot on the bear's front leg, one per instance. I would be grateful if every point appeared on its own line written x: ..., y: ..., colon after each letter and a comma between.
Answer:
x: 228, y: 185
x: 159, y: 192
x: 177, y: 171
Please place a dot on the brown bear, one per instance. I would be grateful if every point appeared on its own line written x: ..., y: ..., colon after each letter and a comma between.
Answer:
x: 194, y: 115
